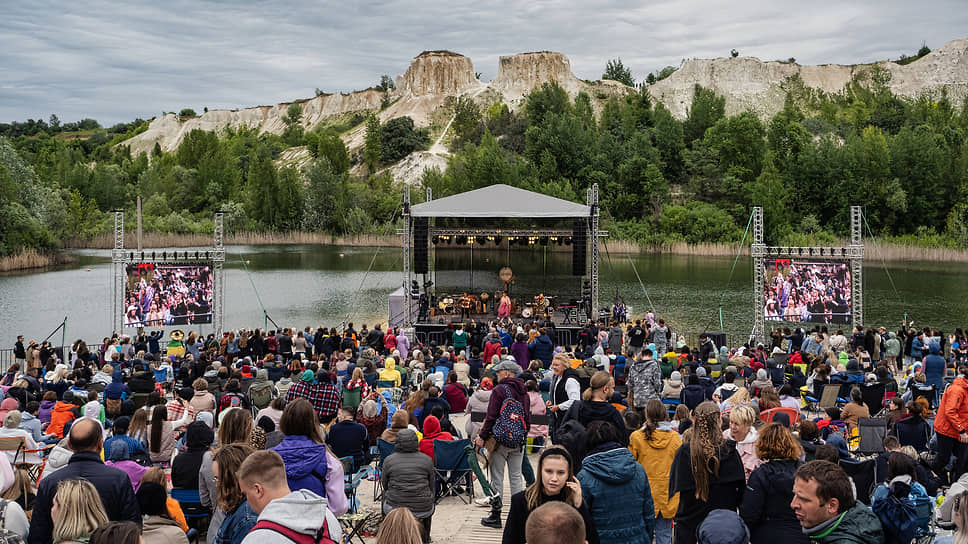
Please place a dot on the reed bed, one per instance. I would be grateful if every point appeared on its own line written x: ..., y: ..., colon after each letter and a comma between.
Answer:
x: 29, y: 258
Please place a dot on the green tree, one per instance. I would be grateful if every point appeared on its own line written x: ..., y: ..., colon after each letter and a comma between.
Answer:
x: 616, y: 71
x: 739, y: 143
x: 399, y: 138
x: 293, y: 134
x: 372, y: 143
x: 325, y: 199
x: 707, y: 108
x: 467, y: 121
x: 261, y: 188
x: 289, y: 199
x: 186, y: 113
x: 332, y: 148
x: 669, y: 142
x: 549, y: 99
x: 770, y: 192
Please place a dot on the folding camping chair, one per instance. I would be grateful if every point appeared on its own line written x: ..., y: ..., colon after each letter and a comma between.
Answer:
x: 872, y: 431
x: 873, y: 395
x: 766, y: 416
x: 829, y: 397
x: 450, y: 464
x: 862, y: 473
x: 18, y: 445
x: 386, y: 449
x: 191, y: 505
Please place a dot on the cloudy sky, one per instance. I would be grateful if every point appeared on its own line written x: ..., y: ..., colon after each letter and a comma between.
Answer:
x: 118, y: 60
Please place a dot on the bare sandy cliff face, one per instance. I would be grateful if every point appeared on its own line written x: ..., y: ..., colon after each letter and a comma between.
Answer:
x: 750, y: 84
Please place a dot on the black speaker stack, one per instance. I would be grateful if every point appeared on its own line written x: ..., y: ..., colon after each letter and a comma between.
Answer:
x: 579, y: 247
x: 420, y: 257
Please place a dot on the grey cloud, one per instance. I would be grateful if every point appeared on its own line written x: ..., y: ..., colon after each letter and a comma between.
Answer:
x: 115, y: 61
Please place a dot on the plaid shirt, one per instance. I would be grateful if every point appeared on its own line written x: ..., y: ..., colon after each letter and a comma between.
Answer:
x: 176, y: 411
x: 324, y: 397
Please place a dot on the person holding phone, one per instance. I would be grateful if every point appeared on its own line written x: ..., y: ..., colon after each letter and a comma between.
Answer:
x: 555, y: 481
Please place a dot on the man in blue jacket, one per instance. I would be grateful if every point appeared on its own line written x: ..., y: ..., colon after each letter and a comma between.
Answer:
x: 113, y: 485
x: 934, y: 370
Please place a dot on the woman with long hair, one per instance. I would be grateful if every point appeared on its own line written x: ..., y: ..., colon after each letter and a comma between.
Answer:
x: 555, y: 481
x: 855, y: 409
x: 707, y: 473
x: 76, y: 511
x: 161, y: 436
x: 399, y: 527
x: 654, y: 447
x: 138, y: 428
x: 766, y: 501
x: 309, y: 464
x: 959, y: 515
x: 239, y: 516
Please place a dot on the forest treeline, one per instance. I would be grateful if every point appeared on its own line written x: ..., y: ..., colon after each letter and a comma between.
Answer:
x: 661, y: 179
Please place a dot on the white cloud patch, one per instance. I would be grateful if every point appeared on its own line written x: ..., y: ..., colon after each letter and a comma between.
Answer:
x: 114, y: 61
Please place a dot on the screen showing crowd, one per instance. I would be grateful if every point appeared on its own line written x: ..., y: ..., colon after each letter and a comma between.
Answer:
x: 156, y: 295
x: 801, y: 291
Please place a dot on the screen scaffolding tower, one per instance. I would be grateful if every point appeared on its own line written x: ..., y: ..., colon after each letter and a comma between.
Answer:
x: 853, y: 253
x: 121, y: 258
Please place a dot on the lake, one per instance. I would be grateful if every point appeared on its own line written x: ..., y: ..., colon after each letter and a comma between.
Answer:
x: 325, y: 285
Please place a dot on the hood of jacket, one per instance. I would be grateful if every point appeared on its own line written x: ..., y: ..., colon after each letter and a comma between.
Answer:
x: 199, y: 436
x: 663, y: 435
x: 261, y: 376
x: 62, y: 407
x: 390, y: 364
x: 406, y: 441
x: 211, y: 375
x: 515, y: 384
x: 597, y: 410
x: 934, y: 348
x: 302, y: 511
x: 543, y: 339
x: 301, y: 454
x: 117, y: 377
x: 400, y: 419
x: 750, y: 436
x: 613, y: 466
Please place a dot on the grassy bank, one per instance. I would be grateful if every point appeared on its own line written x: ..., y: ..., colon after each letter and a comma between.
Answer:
x: 29, y: 259
x: 888, y: 251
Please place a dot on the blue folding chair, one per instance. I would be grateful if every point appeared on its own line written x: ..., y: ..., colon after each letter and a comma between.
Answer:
x: 385, y: 450
x: 192, y: 507
x: 451, y: 466
x: 672, y: 405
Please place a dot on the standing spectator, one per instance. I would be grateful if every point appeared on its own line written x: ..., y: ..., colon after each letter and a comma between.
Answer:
x: 644, y: 381
x: 743, y: 433
x: 537, y: 433
x: 478, y: 403
x: 555, y: 482
x: 824, y: 503
x: 542, y: 348
x: 262, y: 477
x: 19, y: 353
x: 616, y: 488
x: 112, y: 485
x: 509, y: 387
x: 637, y: 336
x: 654, y: 447
x: 408, y: 480
x: 766, y: 501
x: 951, y: 428
x: 659, y: 335
x: 707, y: 473
x: 565, y: 390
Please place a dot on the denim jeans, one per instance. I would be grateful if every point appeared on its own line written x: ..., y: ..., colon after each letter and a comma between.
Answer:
x: 510, y: 458
x: 663, y: 530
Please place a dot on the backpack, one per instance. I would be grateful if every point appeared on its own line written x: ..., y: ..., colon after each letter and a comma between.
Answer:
x: 510, y: 428
x: 898, y: 514
x: 230, y: 400
x: 261, y: 397
x: 112, y: 407
x: 6, y: 535
x: 322, y: 535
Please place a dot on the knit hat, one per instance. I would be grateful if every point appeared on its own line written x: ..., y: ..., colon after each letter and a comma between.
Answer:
x: 68, y: 396
x: 675, y: 378
x: 7, y: 405
x: 308, y: 376
x: 12, y: 419
x: 701, y: 372
x: 761, y: 374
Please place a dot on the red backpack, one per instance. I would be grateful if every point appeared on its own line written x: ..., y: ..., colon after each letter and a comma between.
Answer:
x: 322, y: 536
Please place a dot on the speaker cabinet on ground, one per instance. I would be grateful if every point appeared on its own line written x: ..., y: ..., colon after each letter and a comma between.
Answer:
x: 579, y: 246
x: 420, y: 245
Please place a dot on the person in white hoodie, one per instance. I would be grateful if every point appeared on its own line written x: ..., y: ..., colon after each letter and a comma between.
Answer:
x: 262, y: 477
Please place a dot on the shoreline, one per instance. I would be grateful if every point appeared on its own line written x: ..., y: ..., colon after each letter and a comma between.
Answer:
x: 32, y: 260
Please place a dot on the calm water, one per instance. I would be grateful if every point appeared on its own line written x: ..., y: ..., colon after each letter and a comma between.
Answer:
x: 325, y: 285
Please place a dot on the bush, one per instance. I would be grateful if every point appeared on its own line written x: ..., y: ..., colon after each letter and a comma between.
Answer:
x: 187, y: 113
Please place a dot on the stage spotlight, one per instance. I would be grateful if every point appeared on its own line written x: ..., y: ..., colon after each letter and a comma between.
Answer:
x: 498, y: 240
x: 821, y: 252
x: 152, y: 255
x: 843, y: 252
x: 568, y: 240
x: 481, y: 240
x: 207, y: 255
x: 164, y: 255
x: 436, y: 239
x: 196, y: 255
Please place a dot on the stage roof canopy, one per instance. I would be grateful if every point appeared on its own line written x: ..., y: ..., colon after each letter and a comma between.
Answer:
x: 500, y: 201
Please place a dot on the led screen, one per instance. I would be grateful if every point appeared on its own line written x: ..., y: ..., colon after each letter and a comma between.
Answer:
x: 157, y: 295
x: 807, y: 291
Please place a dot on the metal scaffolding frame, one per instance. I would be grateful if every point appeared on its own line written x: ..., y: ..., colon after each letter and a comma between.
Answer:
x: 407, y: 241
x: 853, y: 253
x: 120, y: 258
x: 592, y: 202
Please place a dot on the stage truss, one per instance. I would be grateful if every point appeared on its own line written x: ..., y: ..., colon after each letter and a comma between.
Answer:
x: 853, y: 253
x: 120, y: 258
x: 591, y: 252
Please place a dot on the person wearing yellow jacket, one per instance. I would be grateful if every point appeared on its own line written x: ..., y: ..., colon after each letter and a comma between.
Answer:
x: 390, y: 372
x: 654, y: 447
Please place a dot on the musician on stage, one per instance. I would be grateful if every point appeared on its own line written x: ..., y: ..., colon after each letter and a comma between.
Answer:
x: 504, y: 308
x: 465, y: 306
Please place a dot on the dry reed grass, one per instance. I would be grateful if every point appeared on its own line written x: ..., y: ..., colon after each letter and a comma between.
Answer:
x: 27, y: 259
x: 885, y: 251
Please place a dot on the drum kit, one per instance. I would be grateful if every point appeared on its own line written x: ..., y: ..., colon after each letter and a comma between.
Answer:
x: 541, y: 305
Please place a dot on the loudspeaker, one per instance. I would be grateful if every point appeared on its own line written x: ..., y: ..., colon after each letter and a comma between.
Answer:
x: 420, y: 245
x: 579, y: 247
